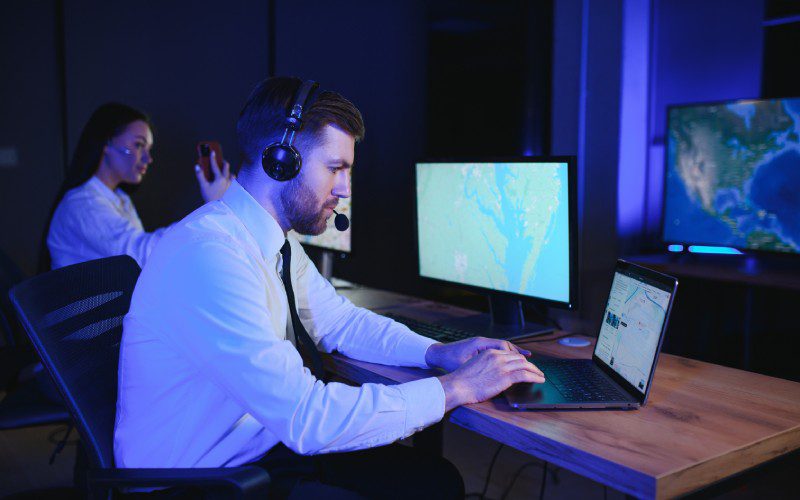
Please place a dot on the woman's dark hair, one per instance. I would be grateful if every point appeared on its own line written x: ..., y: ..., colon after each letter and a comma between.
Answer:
x: 108, y: 121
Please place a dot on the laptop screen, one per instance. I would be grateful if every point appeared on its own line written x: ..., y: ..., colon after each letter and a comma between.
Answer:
x: 630, y: 333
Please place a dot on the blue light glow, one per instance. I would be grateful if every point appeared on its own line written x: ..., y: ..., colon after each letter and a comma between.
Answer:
x: 714, y: 250
x: 675, y: 248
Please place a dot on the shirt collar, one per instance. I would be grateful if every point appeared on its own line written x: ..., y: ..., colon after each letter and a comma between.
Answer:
x: 259, y: 223
x: 115, y: 196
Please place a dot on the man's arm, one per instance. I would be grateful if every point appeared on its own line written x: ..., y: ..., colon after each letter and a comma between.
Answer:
x: 218, y: 315
x: 338, y: 325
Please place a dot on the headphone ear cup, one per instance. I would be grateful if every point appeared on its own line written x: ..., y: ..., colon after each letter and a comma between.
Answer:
x: 281, y: 162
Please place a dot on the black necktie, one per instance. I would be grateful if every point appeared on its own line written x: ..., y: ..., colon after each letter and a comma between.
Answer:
x: 300, y: 332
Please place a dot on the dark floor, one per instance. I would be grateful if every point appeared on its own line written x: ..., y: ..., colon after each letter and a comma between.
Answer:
x: 24, y: 454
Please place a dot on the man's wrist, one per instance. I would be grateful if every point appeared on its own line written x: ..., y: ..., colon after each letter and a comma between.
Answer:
x: 432, y: 355
x: 453, y: 395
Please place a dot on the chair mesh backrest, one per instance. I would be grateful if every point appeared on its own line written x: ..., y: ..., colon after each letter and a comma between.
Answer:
x: 73, y: 316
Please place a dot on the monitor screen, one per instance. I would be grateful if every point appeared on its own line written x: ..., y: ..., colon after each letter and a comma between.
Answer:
x: 500, y: 226
x: 733, y: 175
x: 332, y: 239
x: 632, y: 325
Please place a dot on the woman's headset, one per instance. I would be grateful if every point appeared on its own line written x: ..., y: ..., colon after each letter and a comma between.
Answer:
x: 281, y: 160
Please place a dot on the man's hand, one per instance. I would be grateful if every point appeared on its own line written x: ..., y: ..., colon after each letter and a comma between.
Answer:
x: 451, y: 356
x: 212, y: 191
x: 486, y: 375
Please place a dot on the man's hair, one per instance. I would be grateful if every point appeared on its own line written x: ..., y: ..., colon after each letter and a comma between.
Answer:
x: 263, y: 117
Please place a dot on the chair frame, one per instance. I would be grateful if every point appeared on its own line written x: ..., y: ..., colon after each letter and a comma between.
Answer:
x: 247, y: 482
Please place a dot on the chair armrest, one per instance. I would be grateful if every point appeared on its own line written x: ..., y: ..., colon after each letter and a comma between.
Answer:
x: 243, y: 482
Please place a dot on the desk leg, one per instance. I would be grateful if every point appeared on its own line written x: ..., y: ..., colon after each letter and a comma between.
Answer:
x: 430, y: 440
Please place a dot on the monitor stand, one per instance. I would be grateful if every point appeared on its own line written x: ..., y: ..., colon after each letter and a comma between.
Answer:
x: 504, y: 321
x: 326, y: 264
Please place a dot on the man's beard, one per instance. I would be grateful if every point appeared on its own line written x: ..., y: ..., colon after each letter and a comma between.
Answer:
x: 302, y: 209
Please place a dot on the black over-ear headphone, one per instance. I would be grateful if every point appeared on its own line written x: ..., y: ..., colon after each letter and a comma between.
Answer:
x: 281, y: 160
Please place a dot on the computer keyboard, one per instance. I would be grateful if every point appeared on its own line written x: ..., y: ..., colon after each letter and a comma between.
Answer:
x: 441, y: 333
x: 578, y: 381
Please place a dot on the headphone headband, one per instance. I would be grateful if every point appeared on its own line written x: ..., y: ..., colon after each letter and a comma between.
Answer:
x: 281, y: 160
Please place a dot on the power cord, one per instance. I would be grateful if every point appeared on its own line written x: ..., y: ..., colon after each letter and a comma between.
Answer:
x: 60, y: 443
x: 518, y: 473
x: 482, y: 494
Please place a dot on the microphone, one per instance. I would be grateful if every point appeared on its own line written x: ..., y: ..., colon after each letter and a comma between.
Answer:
x: 341, y: 221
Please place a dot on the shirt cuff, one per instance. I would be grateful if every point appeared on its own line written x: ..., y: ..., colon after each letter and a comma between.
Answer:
x: 412, y: 348
x: 424, y: 403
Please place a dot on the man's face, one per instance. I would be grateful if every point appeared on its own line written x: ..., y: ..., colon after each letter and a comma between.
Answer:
x: 309, y: 199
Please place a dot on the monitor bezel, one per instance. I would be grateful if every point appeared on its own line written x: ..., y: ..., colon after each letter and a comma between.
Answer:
x: 662, y: 236
x: 572, y: 205
x: 669, y: 282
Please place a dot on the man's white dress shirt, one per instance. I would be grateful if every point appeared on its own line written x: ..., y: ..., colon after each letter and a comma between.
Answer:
x: 207, y: 376
x: 92, y: 222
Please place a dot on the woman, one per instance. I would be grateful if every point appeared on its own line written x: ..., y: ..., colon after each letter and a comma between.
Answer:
x: 94, y: 217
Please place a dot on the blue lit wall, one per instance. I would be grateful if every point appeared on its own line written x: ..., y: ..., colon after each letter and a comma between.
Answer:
x: 702, y: 51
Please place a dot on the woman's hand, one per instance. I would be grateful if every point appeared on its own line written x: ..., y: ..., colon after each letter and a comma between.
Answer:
x: 214, y: 190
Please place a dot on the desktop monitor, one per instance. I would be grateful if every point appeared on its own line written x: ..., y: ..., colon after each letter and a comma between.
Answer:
x: 505, y: 228
x: 732, y: 175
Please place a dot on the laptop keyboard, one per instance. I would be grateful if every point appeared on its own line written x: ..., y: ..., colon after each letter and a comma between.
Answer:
x: 440, y: 333
x: 578, y: 381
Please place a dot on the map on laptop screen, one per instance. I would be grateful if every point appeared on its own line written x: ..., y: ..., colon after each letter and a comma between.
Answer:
x: 631, y: 328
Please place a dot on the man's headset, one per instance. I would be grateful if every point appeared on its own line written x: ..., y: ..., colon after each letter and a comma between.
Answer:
x: 281, y: 160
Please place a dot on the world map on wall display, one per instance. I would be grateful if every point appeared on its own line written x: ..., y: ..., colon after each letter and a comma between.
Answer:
x: 733, y: 175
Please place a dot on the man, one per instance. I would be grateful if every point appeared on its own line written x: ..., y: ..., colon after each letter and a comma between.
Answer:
x: 210, y: 373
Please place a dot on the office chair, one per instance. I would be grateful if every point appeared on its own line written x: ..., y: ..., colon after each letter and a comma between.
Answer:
x: 73, y: 316
x: 31, y: 399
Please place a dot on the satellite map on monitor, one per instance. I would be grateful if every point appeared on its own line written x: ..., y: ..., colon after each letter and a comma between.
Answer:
x: 733, y: 175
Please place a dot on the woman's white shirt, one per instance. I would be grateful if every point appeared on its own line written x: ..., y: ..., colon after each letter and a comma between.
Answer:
x: 92, y: 222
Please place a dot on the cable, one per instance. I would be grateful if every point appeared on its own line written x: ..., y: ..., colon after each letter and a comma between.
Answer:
x: 54, y: 437
x: 60, y: 445
x: 544, y: 482
x: 482, y: 494
x: 518, y: 472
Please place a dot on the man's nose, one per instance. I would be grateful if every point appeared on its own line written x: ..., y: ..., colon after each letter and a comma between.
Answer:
x: 342, y: 186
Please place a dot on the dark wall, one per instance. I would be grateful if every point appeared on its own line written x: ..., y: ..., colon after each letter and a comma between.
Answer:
x: 190, y: 65
x: 375, y: 54
x: 585, y: 121
x: 702, y: 51
x: 31, y: 162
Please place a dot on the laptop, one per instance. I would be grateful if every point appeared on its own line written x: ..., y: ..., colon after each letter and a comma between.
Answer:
x: 620, y: 373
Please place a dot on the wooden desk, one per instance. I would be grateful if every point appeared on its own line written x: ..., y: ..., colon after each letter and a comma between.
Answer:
x: 703, y: 422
